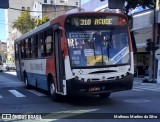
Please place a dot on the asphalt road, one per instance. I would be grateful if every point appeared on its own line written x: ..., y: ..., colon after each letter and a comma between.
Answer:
x: 143, y: 99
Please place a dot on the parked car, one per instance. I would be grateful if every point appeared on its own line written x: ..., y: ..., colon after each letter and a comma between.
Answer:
x: 2, y: 67
x: 10, y: 66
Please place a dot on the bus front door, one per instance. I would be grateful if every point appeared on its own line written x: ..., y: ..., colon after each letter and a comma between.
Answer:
x: 59, y: 61
x: 19, y: 62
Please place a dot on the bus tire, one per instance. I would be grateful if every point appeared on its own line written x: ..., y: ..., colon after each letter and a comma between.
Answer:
x: 26, y: 81
x: 52, y: 91
x: 104, y: 95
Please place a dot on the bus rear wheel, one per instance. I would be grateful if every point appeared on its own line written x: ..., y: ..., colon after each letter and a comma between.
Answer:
x: 26, y: 81
x: 54, y: 96
x: 104, y: 95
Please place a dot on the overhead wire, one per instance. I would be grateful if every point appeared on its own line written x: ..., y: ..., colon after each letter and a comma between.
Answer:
x: 43, y: 11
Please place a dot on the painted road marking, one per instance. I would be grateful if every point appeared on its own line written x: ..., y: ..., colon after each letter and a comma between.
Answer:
x: 146, y: 88
x: 37, y: 93
x: 136, y: 89
x: 16, y: 93
x: 1, y: 96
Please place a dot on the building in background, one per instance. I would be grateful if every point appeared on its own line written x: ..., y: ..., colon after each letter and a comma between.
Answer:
x: 3, y: 46
x: 40, y: 7
x: 3, y: 50
x: 11, y: 15
x: 53, y: 8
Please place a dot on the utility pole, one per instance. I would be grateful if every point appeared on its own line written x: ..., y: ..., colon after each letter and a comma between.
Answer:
x: 154, y: 63
x: 79, y: 5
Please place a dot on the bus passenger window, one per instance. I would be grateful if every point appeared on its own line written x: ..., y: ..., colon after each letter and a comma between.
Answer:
x: 16, y: 51
x: 33, y: 55
x: 22, y: 50
x: 36, y: 45
x: 39, y: 45
x: 27, y: 48
x: 42, y: 45
x: 49, y: 42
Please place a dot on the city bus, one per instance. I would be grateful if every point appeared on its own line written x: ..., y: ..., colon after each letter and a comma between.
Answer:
x: 87, y: 53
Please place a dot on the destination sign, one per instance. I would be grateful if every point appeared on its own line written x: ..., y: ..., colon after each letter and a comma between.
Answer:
x: 96, y: 21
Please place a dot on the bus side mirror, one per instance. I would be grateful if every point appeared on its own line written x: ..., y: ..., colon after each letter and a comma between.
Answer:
x: 133, y: 42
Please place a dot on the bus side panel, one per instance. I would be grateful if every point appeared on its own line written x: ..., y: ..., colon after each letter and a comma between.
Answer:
x: 36, y: 72
x: 38, y: 80
x: 31, y: 79
x: 42, y: 81
x: 50, y: 67
x: 18, y: 70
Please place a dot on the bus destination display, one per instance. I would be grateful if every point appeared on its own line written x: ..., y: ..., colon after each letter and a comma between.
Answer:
x: 95, y: 21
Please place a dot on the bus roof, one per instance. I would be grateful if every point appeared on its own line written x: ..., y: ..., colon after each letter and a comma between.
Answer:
x: 62, y: 17
x: 41, y: 27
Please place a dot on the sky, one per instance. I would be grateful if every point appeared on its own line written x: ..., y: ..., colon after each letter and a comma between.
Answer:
x: 2, y: 25
x: 84, y: 1
x: 2, y: 21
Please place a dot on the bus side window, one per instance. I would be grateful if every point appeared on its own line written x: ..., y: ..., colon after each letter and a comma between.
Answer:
x: 16, y: 51
x: 26, y: 49
x: 42, y: 44
x: 36, y: 45
x: 32, y: 48
x: 39, y: 45
x: 22, y: 49
x: 49, y: 42
x: 29, y: 48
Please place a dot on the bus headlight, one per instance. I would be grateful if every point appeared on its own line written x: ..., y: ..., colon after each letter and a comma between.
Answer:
x: 82, y: 79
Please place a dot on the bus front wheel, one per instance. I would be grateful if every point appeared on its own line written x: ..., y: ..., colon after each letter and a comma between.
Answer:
x: 104, y: 95
x: 54, y: 96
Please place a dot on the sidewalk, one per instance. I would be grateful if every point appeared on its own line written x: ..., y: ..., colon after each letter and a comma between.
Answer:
x: 140, y: 81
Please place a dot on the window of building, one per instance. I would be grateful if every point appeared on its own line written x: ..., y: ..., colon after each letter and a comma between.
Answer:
x: 62, y: 1
x: 23, y: 8
x: 45, y: 1
x: 76, y: 3
x: 51, y: 1
x: 28, y: 8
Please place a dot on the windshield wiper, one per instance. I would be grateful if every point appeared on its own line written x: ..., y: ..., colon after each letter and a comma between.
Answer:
x: 108, y: 45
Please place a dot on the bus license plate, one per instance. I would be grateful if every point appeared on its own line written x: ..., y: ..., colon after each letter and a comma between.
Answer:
x: 94, y: 89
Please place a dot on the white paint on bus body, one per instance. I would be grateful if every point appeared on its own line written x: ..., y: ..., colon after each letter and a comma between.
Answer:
x: 1, y: 96
x: 16, y: 93
x: 37, y: 66
x: 68, y: 71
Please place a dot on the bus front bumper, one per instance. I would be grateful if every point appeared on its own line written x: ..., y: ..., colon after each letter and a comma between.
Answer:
x: 97, y: 87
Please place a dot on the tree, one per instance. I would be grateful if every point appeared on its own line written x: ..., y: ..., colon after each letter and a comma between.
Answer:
x: 24, y: 23
x: 39, y: 22
x: 132, y: 4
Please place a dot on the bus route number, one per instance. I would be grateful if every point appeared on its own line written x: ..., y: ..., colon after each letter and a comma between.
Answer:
x: 85, y: 22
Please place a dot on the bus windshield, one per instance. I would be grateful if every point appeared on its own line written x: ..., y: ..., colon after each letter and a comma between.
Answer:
x: 98, y: 47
